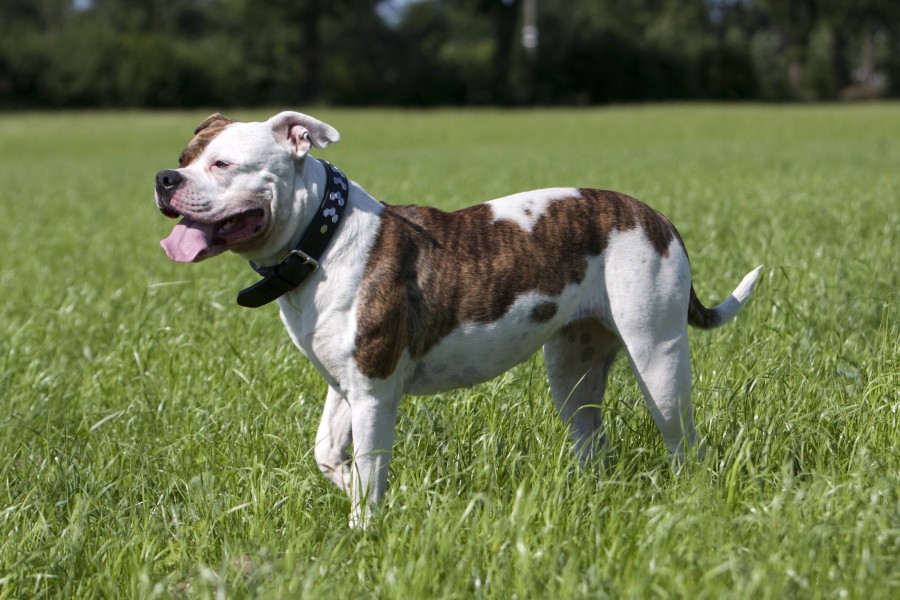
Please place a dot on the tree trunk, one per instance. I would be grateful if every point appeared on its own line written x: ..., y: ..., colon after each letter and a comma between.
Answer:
x: 506, y: 17
x: 310, y: 18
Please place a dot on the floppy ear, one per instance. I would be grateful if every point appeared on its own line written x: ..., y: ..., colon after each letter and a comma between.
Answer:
x: 216, y: 120
x: 297, y: 132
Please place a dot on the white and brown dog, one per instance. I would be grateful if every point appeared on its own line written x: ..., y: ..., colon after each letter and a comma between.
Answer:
x: 413, y: 300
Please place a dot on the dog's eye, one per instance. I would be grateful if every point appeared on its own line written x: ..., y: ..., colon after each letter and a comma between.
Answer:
x: 221, y: 164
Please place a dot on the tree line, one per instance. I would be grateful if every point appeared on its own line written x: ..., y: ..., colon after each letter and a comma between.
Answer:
x: 183, y: 53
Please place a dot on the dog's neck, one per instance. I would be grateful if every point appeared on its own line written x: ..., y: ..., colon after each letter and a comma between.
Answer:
x: 293, y: 217
x: 309, y: 186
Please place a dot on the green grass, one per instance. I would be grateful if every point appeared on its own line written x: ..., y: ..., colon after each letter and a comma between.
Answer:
x: 155, y: 437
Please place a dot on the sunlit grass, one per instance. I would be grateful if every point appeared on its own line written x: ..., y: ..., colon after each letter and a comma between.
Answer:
x: 156, y: 438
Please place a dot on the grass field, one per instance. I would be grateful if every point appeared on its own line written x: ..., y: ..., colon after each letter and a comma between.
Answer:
x: 155, y: 438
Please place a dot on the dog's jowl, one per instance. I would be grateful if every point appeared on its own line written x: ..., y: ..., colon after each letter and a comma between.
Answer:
x: 394, y: 300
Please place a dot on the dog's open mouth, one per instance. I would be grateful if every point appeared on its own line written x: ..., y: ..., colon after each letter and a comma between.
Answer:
x: 193, y: 241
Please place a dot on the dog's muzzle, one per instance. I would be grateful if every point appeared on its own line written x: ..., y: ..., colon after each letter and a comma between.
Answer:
x: 167, y: 181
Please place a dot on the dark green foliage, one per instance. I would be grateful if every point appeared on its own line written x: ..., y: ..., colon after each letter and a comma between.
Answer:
x: 225, y: 53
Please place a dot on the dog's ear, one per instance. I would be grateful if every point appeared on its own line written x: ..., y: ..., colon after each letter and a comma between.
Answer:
x: 297, y: 132
x: 215, y: 120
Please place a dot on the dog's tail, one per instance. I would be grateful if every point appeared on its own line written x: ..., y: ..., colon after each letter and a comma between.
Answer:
x: 708, y: 318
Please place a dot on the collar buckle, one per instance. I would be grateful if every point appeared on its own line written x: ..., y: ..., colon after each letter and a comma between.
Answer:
x: 307, y: 259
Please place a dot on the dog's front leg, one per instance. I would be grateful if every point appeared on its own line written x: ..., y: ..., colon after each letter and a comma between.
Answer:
x: 333, y: 440
x: 373, y: 418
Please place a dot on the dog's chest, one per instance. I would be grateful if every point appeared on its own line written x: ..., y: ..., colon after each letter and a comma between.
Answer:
x: 320, y: 337
x: 320, y: 315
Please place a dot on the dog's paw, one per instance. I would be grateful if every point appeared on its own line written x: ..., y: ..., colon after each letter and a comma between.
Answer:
x: 359, y: 520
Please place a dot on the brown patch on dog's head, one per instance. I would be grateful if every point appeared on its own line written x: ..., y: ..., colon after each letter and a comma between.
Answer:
x: 432, y: 271
x: 203, y: 135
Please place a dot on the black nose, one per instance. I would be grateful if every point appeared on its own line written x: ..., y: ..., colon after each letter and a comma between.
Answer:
x: 168, y: 179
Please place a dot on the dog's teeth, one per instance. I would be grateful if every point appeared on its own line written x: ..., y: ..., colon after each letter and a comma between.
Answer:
x: 228, y: 225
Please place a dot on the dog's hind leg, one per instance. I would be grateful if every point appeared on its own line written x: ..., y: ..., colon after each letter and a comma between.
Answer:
x: 648, y: 301
x: 660, y: 360
x: 651, y: 318
x: 578, y: 359
x: 333, y: 440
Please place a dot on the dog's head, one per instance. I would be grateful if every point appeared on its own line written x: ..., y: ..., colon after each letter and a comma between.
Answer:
x: 235, y: 183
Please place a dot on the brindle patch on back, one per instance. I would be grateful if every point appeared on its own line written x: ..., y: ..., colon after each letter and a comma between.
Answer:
x: 203, y: 135
x: 430, y: 270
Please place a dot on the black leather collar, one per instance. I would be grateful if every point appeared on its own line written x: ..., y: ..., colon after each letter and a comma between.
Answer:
x: 300, y: 262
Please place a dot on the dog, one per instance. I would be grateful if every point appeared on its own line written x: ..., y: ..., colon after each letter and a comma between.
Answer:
x: 387, y: 301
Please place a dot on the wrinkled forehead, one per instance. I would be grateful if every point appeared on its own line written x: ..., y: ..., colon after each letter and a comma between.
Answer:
x: 219, y: 134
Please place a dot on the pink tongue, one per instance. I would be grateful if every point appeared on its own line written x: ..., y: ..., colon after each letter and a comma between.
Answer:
x: 187, y: 240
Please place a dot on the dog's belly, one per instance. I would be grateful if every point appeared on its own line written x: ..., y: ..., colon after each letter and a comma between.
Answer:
x: 476, y: 352
x: 472, y: 354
